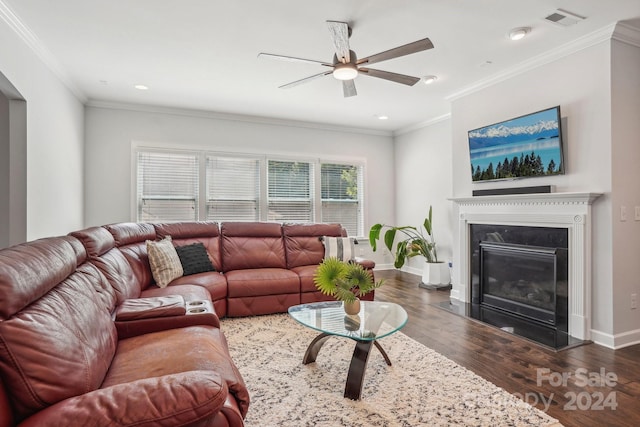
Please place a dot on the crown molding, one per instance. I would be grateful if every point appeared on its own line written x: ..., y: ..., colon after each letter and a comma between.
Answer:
x: 422, y: 124
x: 627, y: 34
x: 34, y: 43
x: 581, y: 43
x: 185, y: 112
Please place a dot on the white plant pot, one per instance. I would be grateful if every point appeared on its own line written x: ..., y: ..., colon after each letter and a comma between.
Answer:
x: 435, y: 275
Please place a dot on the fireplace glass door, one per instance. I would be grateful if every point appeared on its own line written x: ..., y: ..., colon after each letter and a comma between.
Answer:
x: 521, y: 279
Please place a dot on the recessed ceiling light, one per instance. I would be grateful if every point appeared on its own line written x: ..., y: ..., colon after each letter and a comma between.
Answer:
x: 382, y: 117
x: 429, y: 79
x: 141, y: 87
x: 519, y: 33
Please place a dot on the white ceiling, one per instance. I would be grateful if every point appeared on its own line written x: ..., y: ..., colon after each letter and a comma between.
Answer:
x: 202, y: 54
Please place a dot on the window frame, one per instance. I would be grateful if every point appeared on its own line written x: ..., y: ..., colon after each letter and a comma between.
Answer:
x: 263, y: 159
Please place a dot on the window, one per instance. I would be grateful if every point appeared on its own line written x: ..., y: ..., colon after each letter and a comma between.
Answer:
x: 340, y: 186
x: 233, y: 189
x: 290, y: 197
x: 167, y: 187
x: 191, y: 186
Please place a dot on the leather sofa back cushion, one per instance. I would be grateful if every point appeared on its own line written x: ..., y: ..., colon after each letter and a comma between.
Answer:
x: 97, y: 240
x: 130, y: 238
x: 59, y: 346
x: 6, y: 413
x: 103, y: 253
x: 248, y: 245
x: 186, y: 233
x: 30, y: 270
x: 303, y: 244
x: 127, y: 233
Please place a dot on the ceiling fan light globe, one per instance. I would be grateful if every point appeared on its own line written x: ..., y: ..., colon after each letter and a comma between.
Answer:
x: 345, y: 72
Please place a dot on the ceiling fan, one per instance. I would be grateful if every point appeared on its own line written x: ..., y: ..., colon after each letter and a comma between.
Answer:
x: 346, y: 66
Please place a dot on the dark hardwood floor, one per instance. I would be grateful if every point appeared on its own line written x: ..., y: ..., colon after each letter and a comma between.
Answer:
x: 584, y: 398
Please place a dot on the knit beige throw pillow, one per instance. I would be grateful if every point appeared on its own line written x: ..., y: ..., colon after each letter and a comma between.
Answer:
x: 164, y: 261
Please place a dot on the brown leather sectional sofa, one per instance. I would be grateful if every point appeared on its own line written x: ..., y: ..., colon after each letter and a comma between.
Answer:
x: 87, y: 338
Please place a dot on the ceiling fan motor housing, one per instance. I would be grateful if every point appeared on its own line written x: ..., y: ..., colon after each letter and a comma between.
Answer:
x: 347, y: 70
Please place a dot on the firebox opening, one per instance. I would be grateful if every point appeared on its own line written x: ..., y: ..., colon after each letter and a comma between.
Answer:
x: 524, y: 280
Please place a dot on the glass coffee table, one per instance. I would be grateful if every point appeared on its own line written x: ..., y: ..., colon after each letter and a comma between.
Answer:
x: 376, y: 320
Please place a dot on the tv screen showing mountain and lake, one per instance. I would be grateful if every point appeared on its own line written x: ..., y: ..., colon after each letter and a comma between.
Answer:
x: 527, y: 146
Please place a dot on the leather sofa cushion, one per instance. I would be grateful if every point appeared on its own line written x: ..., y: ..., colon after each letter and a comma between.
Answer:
x: 166, y: 401
x: 214, y: 282
x: 306, y: 273
x: 127, y: 233
x: 30, y: 270
x: 153, y: 307
x: 250, y: 245
x: 262, y: 281
x: 62, y: 344
x: 100, y: 246
x: 130, y: 238
x: 303, y: 245
x: 185, y: 233
x: 194, y: 348
x: 97, y: 240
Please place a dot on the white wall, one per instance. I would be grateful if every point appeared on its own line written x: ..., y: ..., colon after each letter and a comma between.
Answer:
x: 585, y: 100
x: 423, y: 178
x: 598, y: 89
x: 4, y: 171
x: 625, y: 115
x: 111, y: 130
x: 54, y: 152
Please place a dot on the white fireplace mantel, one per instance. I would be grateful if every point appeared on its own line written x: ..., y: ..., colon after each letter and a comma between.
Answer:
x: 560, y: 210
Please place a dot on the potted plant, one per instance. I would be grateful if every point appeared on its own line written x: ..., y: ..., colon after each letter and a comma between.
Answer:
x: 345, y: 281
x: 416, y: 242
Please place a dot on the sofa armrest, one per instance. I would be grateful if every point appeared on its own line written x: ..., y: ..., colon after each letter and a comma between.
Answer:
x: 144, y: 308
x: 367, y: 264
x: 170, y: 400
x: 134, y: 328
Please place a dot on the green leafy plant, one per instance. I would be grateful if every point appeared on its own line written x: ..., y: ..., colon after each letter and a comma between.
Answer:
x: 345, y: 281
x: 417, y: 241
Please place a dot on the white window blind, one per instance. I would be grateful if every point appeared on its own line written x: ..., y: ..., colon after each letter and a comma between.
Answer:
x: 233, y: 189
x: 341, y: 188
x: 167, y: 186
x: 290, y: 191
x: 201, y: 185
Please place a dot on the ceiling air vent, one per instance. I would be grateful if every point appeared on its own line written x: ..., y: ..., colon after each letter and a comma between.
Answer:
x: 564, y: 18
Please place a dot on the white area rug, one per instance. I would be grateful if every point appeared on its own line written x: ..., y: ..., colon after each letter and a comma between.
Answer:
x: 422, y: 388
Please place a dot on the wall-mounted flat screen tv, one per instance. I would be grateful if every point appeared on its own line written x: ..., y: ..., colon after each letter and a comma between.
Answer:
x: 526, y: 146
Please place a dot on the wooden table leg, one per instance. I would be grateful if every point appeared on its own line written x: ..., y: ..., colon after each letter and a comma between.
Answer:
x: 384, y: 353
x: 314, y: 348
x: 357, y: 368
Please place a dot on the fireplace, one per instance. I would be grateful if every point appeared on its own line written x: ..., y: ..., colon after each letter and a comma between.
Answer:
x: 521, y: 271
x: 536, y: 251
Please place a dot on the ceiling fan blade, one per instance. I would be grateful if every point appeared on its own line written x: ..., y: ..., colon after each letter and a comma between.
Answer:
x: 305, y: 80
x: 387, y: 75
x: 292, y: 59
x: 349, y: 88
x: 340, y: 35
x: 407, y: 49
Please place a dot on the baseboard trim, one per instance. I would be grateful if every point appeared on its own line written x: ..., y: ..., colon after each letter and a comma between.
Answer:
x: 617, y: 341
